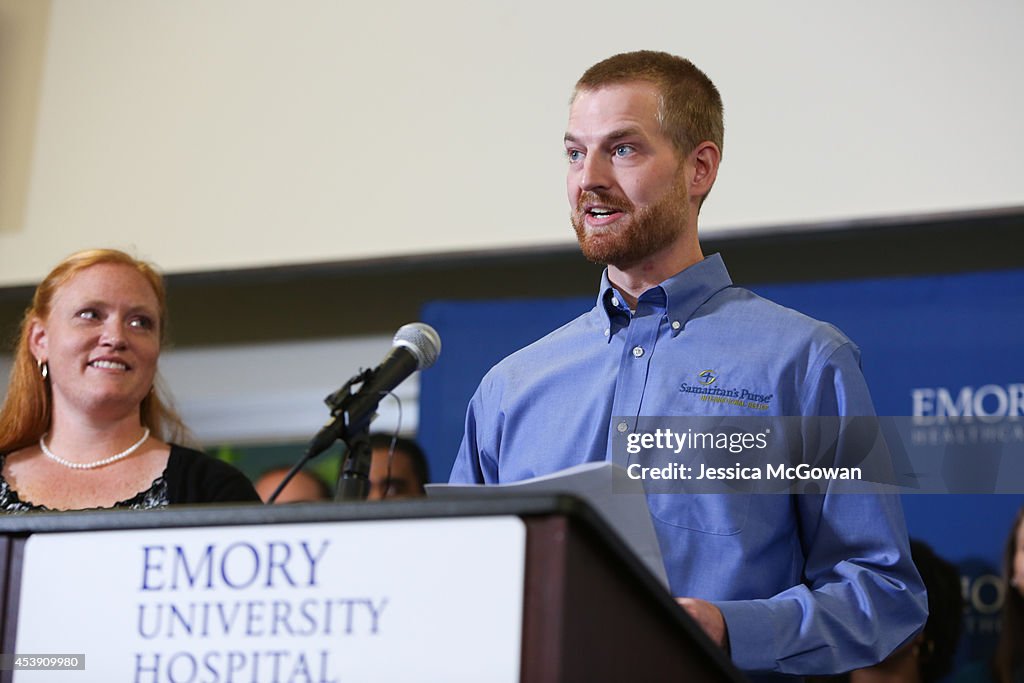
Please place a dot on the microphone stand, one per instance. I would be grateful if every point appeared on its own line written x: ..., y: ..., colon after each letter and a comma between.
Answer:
x: 415, y: 347
x: 354, y: 478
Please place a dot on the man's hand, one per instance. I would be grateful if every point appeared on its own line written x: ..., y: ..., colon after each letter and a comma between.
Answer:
x: 709, y: 618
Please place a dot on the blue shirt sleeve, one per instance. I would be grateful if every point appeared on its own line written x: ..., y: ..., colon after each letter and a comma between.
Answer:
x: 861, y: 596
x: 469, y: 463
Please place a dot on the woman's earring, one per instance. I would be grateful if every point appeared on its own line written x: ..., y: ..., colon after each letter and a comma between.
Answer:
x: 44, y: 368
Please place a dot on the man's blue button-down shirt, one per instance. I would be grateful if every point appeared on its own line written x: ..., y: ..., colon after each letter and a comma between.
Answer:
x: 808, y: 584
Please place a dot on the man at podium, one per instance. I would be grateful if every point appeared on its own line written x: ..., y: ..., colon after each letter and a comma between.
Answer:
x: 817, y: 583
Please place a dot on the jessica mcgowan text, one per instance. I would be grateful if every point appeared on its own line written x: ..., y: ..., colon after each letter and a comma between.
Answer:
x: 801, y: 472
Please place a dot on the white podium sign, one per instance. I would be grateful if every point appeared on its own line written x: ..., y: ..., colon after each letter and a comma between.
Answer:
x: 408, y: 600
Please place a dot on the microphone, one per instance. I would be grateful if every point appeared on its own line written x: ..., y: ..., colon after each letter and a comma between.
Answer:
x: 415, y: 346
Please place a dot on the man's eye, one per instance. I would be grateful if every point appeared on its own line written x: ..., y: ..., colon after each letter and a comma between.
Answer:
x: 623, y: 150
x: 88, y: 314
x: 573, y: 155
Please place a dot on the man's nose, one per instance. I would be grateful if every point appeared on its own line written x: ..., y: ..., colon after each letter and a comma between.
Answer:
x: 596, y: 174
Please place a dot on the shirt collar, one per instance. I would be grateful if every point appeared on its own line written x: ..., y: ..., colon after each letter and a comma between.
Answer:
x: 681, y: 295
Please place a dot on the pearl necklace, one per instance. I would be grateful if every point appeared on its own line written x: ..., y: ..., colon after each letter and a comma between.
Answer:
x: 92, y: 465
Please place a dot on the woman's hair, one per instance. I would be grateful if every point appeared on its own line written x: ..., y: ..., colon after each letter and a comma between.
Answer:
x: 26, y: 412
x: 1008, y: 658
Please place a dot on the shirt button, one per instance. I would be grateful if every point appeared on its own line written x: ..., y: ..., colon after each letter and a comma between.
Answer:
x: 607, y: 331
x: 615, y: 302
x: 676, y: 325
x: 637, y: 351
x: 622, y: 427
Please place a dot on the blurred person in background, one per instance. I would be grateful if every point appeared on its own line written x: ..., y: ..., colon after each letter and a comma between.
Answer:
x: 304, y: 487
x: 1008, y: 665
x: 401, y: 473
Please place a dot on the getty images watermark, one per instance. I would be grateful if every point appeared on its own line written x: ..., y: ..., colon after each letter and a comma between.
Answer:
x: 733, y: 442
x: 763, y: 454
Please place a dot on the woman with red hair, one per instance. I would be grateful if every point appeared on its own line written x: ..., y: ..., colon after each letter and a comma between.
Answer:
x: 83, y: 424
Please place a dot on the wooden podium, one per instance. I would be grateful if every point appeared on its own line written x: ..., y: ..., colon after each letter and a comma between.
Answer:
x: 588, y: 609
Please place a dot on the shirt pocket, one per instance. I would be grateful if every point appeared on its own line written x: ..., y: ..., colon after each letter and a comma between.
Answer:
x: 721, y: 514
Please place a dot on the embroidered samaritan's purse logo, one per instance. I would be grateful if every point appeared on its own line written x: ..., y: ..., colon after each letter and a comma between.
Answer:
x: 741, y: 397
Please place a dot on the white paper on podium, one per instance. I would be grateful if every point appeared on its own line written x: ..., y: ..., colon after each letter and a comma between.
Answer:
x: 619, y: 500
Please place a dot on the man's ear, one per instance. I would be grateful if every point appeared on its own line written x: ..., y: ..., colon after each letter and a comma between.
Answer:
x: 37, y: 340
x: 704, y: 159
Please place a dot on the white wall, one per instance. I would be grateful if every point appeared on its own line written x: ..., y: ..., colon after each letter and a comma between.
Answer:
x: 212, y: 134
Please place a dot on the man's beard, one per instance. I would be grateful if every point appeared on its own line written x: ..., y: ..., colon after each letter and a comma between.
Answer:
x: 635, y: 236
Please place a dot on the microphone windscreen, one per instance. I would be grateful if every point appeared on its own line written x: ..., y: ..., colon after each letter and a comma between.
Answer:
x: 422, y: 341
